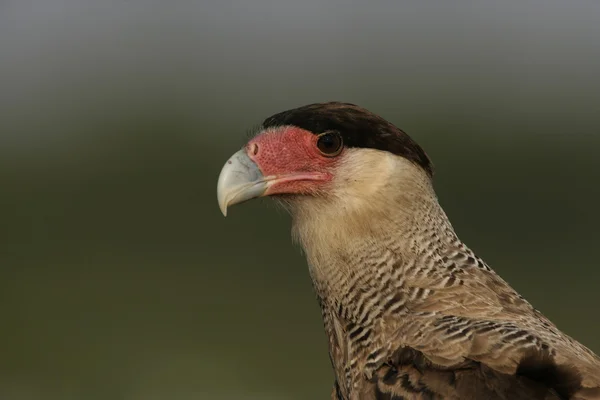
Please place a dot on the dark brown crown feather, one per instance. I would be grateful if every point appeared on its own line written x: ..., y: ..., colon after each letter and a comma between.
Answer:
x: 358, y: 127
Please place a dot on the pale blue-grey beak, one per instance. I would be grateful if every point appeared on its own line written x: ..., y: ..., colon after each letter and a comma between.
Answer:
x: 240, y: 180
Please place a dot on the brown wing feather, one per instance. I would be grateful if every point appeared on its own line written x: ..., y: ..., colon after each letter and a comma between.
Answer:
x: 411, y: 375
x: 469, y: 337
x: 471, y: 381
x: 487, y: 321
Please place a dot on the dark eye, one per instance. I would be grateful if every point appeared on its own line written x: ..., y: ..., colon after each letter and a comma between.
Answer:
x: 330, y: 143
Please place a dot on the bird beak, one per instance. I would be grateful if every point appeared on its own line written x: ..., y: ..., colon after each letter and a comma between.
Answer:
x: 240, y: 180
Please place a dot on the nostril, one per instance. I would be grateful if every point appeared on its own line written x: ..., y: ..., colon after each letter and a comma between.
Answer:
x: 254, y: 149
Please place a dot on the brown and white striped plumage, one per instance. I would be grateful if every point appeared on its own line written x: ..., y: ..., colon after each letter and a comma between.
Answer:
x: 410, y: 311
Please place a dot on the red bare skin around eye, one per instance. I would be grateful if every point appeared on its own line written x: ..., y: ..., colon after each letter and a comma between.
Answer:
x: 291, y: 155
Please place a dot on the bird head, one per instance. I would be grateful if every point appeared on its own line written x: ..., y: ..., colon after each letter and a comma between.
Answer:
x: 334, y: 153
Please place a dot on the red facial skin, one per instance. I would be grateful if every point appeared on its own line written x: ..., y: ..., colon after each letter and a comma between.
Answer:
x: 289, y: 158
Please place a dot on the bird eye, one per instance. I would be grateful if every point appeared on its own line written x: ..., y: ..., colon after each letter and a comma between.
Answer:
x: 330, y: 143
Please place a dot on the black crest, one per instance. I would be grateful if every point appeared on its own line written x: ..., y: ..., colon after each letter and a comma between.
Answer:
x: 358, y: 127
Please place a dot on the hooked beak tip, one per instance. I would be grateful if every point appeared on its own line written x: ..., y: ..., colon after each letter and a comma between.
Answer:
x: 240, y: 180
x: 223, y: 208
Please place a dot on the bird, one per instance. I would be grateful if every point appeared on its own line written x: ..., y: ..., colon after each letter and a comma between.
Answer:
x: 409, y: 310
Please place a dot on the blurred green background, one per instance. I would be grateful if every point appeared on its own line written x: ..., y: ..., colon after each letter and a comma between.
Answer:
x: 119, y: 277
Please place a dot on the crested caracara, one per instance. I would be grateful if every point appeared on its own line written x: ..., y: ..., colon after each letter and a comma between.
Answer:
x: 409, y: 310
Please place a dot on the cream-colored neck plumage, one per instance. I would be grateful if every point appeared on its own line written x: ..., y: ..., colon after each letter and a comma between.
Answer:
x: 376, y: 197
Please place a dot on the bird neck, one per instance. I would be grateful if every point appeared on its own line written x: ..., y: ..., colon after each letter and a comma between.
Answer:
x: 353, y: 246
